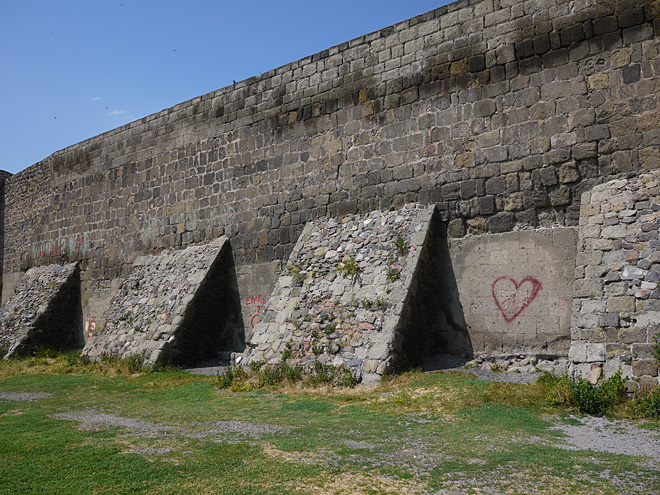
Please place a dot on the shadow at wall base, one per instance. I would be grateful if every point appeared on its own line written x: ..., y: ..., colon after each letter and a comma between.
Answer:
x: 213, y: 325
x: 435, y: 324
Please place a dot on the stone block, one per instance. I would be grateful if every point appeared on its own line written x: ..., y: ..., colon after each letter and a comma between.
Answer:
x: 379, y: 351
x: 632, y: 335
x: 501, y: 222
x: 370, y: 365
x: 560, y: 196
x: 643, y: 351
x: 578, y: 352
x: 456, y: 228
x: 477, y: 226
x: 615, y: 350
x: 649, y: 158
x: 548, y: 176
x: 594, y: 335
x: 485, y: 108
x: 621, y: 304
x: 569, y: 173
x: 645, y: 367
x: 596, y: 352
x: 496, y: 185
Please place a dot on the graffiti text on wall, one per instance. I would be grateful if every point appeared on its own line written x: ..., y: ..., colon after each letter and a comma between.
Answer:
x: 512, y: 297
x: 90, y: 326
x: 152, y: 228
x: 75, y: 244
x: 257, y: 303
x: 220, y: 216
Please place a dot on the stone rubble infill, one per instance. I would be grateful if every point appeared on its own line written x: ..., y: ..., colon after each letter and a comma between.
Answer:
x: 616, y: 308
x: 21, y: 316
x: 148, y: 310
x: 512, y: 369
x: 344, y: 295
x: 522, y: 365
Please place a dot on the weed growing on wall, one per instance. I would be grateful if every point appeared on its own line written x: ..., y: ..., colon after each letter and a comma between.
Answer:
x: 401, y: 245
x: 400, y: 250
x: 349, y: 268
x: 393, y: 272
x: 647, y: 404
x: 297, y: 273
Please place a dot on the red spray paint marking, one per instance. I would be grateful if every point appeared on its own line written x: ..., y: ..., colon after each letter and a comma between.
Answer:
x: 512, y: 297
x: 260, y: 302
x: 90, y: 326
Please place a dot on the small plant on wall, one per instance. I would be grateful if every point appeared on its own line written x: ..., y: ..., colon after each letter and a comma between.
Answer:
x: 393, y: 270
x: 349, y: 268
x: 297, y: 273
x: 401, y: 245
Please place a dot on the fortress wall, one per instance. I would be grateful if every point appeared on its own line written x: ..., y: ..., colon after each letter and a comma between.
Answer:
x: 513, y: 291
x: 500, y: 112
x: 616, y: 302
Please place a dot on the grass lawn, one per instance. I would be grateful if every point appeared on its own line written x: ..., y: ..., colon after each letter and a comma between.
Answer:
x: 94, y: 431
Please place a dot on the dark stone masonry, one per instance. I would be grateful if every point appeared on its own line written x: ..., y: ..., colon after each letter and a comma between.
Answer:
x: 500, y: 114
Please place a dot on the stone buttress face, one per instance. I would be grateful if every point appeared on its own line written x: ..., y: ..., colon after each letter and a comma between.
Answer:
x: 44, y: 311
x: 343, y: 298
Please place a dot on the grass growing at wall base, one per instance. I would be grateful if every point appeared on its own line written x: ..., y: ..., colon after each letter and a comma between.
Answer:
x: 172, y: 432
x: 259, y: 375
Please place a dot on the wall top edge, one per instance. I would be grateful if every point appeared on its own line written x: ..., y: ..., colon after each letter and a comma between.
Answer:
x: 362, y: 39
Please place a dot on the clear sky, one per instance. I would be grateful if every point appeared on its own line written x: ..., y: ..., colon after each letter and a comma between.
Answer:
x: 72, y: 69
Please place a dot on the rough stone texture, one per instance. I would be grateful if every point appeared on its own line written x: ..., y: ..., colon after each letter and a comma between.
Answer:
x: 178, y: 306
x: 437, y: 109
x: 500, y: 114
x: 513, y: 290
x: 346, y: 296
x: 44, y: 311
x: 616, y: 299
x: 3, y: 177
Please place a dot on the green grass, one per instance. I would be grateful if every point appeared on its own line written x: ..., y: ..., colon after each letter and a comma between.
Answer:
x: 415, y: 433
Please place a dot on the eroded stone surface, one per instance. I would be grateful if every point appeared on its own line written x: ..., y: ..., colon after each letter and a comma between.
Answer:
x: 616, y: 299
x: 32, y: 316
x: 148, y: 313
x: 345, y: 294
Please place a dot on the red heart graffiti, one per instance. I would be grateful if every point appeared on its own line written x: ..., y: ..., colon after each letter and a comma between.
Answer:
x: 512, y: 297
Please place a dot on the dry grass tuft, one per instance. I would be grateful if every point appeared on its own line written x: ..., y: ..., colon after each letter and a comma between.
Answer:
x: 361, y: 484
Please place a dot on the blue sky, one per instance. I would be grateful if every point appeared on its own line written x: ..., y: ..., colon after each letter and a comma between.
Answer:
x: 75, y: 69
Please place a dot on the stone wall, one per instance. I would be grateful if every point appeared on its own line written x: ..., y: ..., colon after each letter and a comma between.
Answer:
x: 501, y: 113
x: 617, y: 300
x: 513, y: 291
x: 3, y: 177
x: 178, y: 307
x: 43, y: 312
x: 348, y: 293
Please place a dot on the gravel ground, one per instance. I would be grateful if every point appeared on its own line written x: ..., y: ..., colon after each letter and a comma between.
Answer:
x: 613, y: 436
x: 24, y: 396
x: 91, y: 419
